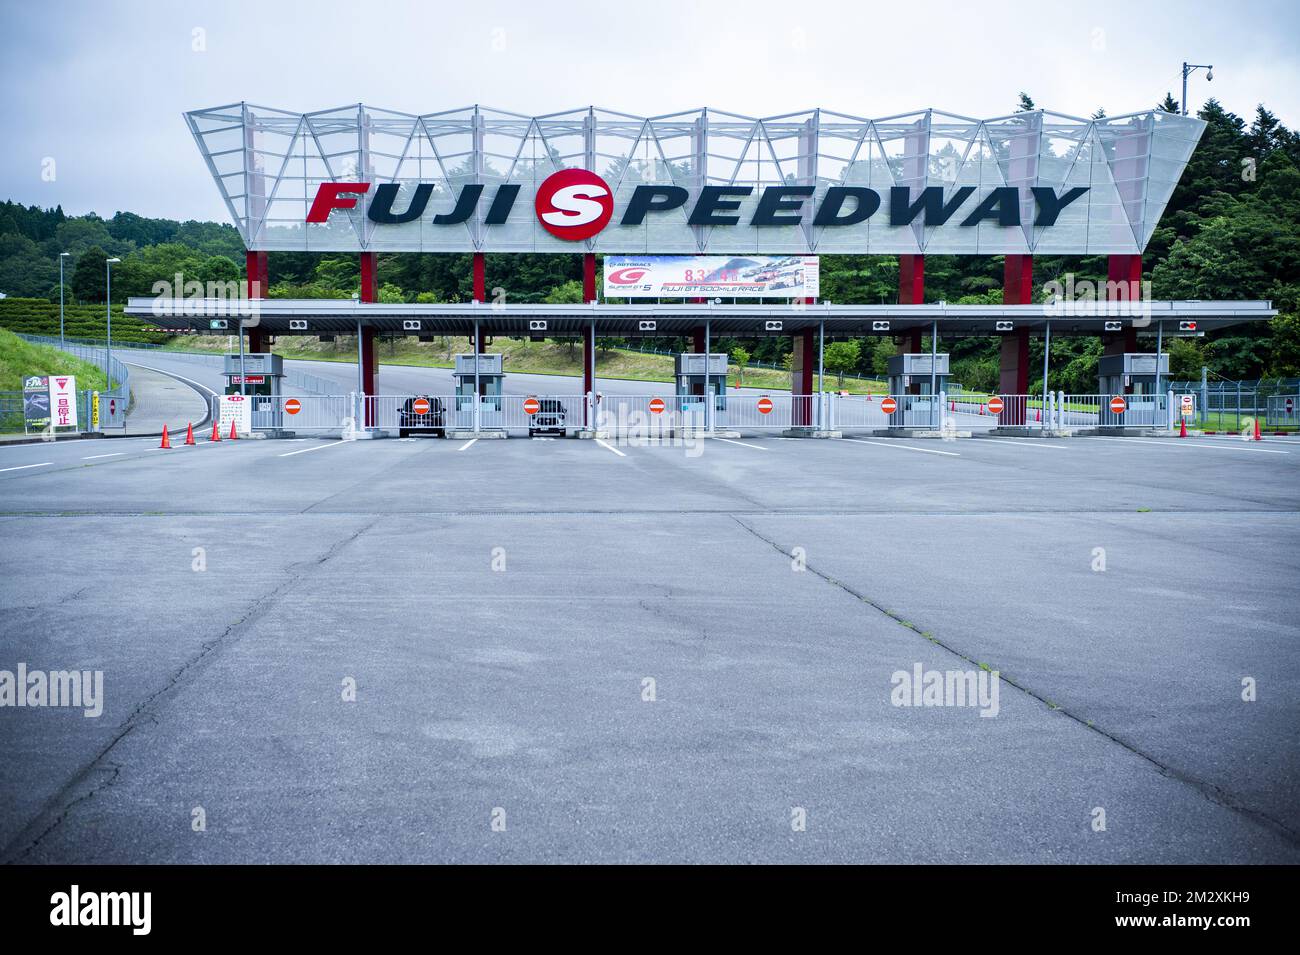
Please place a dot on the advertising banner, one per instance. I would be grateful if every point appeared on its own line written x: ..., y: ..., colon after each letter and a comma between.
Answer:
x: 712, y: 276
x: 36, y: 403
x: 63, y: 401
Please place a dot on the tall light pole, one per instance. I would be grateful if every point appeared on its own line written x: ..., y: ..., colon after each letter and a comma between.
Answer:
x: 108, y: 313
x: 1188, y: 70
x: 62, y: 256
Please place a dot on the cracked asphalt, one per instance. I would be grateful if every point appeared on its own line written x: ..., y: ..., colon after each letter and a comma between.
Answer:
x: 562, y: 653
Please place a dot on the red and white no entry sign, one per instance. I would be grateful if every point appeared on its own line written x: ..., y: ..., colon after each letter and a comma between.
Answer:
x: 995, y: 405
x: 1117, y: 405
x: 656, y: 406
x: 292, y: 406
x: 888, y: 405
x: 532, y: 405
x: 420, y: 405
x: 765, y: 405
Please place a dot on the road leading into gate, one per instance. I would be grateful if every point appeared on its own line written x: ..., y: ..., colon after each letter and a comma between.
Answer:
x: 651, y: 654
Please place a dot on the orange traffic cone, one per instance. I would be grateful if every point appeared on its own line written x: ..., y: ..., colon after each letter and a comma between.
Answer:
x: 1182, y: 427
x: 216, y: 432
x: 234, y: 435
x: 1257, y: 437
x: 166, y: 442
x: 1038, y: 415
x: 189, y: 433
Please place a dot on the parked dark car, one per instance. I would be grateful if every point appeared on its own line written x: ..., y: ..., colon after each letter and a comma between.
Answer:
x: 549, y: 418
x: 433, y: 421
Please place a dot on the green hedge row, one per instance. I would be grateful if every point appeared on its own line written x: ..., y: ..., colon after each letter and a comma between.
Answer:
x: 38, y: 316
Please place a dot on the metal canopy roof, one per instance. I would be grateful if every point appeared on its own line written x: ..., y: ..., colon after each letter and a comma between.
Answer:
x: 340, y: 316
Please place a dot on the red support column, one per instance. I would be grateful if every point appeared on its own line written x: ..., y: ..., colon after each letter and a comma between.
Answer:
x: 480, y: 278
x: 369, y: 359
x: 1013, y: 377
x: 257, y: 286
x: 1018, y: 280
x: 369, y: 277
x: 588, y: 277
x: 803, y: 366
x: 911, y: 280
x: 369, y: 371
x: 1124, y: 278
x: 1123, y: 283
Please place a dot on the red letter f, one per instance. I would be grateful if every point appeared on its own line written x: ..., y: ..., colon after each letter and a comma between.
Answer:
x: 327, y: 198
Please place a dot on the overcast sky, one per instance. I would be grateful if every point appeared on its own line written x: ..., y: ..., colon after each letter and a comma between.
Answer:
x: 100, y: 87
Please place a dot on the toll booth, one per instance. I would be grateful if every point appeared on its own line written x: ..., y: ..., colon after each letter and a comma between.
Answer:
x: 909, y: 385
x: 491, y: 375
x: 698, y: 376
x: 261, y: 378
x: 1131, y: 374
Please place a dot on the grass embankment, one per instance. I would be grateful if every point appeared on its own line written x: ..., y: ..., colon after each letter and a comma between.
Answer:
x: 20, y: 359
x: 521, y: 357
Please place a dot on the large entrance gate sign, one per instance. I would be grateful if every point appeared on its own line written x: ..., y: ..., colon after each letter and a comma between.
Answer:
x: 360, y: 178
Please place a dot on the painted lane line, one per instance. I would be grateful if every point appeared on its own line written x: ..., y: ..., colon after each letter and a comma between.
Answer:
x: 289, y: 454
x: 756, y: 447
x: 1031, y: 442
x: 1232, y: 447
x: 905, y: 447
x: 467, y: 444
x: 1154, y: 443
x: 610, y: 447
x: 92, y: 457
x: 24, y: 467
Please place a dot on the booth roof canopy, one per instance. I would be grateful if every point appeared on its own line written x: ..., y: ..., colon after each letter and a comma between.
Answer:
x: 334, y: 316
x: 269, y: 164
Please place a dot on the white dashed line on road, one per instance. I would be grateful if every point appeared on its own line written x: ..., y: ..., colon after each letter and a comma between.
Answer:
x: 1029, y: 442
x: 905, y: 447
x: 24, y: 467
x: 610, y: 447
x: 467, y: 444
x: 289, y: 454
x: 92, y: 457
x: 756, y: 447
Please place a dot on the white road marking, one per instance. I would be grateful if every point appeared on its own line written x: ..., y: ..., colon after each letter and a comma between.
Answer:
x: 610, y: 447
x: 1169, y: 443
x: 756, y: 447
x: 1031, y: 442
x: 92, y: 457
x: 467, y: 444
x: 24, y: 467
x: 289, y: 454
x: 905, y: 447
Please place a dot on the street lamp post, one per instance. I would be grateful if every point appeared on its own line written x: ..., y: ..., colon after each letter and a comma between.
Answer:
x: 108, y: 313
x: 62, y: 256
x: 1188, y: 70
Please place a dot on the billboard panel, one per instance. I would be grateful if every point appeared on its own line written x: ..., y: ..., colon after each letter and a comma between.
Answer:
x: 712, y: 276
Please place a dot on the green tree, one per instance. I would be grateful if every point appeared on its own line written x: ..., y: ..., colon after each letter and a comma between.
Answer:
x: 740, y: 358
x: 88, y: 278
x: 841, y: 357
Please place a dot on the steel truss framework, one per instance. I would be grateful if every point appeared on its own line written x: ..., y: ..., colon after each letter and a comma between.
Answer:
x: 268, y: 164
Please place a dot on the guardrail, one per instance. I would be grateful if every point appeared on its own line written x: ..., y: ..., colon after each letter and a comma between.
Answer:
x: 96, y: 355
x: 1117, y: 411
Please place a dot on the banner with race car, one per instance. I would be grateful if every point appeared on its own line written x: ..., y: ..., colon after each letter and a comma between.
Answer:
x: 712, y: 276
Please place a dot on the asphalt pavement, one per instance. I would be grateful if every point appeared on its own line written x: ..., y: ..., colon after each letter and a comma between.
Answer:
x: 563, y: 650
